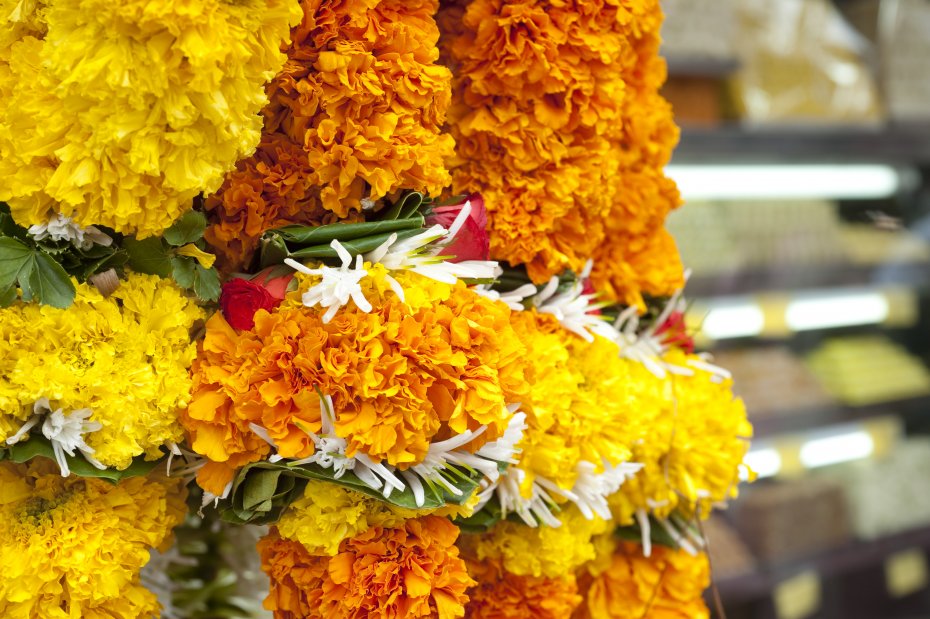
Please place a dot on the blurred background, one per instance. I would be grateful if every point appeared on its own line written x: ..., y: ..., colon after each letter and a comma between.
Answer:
x: 805, y: 164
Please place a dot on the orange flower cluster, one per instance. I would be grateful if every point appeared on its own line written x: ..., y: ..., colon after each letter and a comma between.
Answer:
x: 502, y: 595
x: 409, y: 571
x: 667, y: 585
x: 400, y: 377
x: 559, y: 125
x: 355, y: 113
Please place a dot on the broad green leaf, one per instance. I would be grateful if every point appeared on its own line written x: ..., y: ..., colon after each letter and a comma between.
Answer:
x: 150, y: 255
x: 16, y: 262
x: 324, y: 235
x: 50, y: 283
x: 39, y: 446
x: 482, y: 521
x: 8, y: 296
x: 109, y: 261
x: 182, y: 269
x: 9, y: 227
x: 354, y: 247
x: 206, y: 283
x: 187, y: 229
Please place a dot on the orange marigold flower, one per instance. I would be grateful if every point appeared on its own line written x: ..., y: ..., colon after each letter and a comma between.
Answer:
x: 269, y: 189
x: 400, y: 376
x: 502, y: 595
x: 667, y: 585
x: 409, y: 571
x: 356, y: 113
x: 559, y: 125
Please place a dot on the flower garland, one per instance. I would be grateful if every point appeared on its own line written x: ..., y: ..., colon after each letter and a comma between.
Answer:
x: 110, y: 372
x: 559, y: 125
x: 412, y: 570
x: 74, y: 547
x: 667, y: 585
x: 355, y: 115
x: 183, y: 118
x: 503, y: 595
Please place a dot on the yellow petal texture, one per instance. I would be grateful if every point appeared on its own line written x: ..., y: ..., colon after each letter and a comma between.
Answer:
x: 549, y: 552
x: 72, y: 548
x: 697, y: 437
x: 120, y: 113
x: 126, y: 357
x: 579, y: 406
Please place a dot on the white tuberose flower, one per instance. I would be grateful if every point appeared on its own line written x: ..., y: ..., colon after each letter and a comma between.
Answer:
x: 420, y: 254
x: 66, y: 432
x: 62, y: 228
x: 337, y: 285
x: 573, y: 309
x: 512, y: 298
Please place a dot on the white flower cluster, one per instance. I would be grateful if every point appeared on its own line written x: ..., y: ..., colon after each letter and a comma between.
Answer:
x: 62, y: 228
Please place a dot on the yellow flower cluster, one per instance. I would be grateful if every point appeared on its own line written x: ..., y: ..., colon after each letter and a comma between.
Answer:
x: 578, y: 409
x: 666, y: 585
x: 73, y: 548
x: 445, y: 361
x: 558, y: 123
x: 549, y: 552
x: 698, y: 435
x: 356, y: 113
x: 120, y: 113
x: 125, y: 357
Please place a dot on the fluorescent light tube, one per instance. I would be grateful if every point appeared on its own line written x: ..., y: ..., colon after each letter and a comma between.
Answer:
x: 844, y: 447
x: 838, y: 309
x: 764, y: 462
x: 785, y: 182
x: 731, y: 320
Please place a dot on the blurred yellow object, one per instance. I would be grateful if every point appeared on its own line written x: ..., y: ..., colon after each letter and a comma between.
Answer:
x: 802, y: 62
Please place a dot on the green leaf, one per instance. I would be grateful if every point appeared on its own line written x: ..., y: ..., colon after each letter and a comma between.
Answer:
x: 657, y: 534
x: 259, y: 497
x: 324, y: 235
x: 7, y: 296
x: 206, y: 283
x: 354, y: 247
x: 483, y: 520
x: 188, y: 229
x: 16, y: 262
x: 50, y: 283
x: 274, y: 250
x: 9, y: 227
x: 39, y: 446
x: 108, y: 261
x: 406, y: 207
x: 182, y: 269
x: 149, y: 255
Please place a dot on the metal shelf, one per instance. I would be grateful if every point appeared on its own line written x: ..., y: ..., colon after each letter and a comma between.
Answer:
x: 736, y: 144
x: 775, y: 423
x: 806, y: 277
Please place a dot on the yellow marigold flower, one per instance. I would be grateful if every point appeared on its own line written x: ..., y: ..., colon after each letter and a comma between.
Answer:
x: 697, y: 437
x: 502, y: 595
x: 444, y: 362
x: 125, y: 357
x: 558, y: 123
x: 412, y: 570
x: 120, y: 113
x: 667, y: 585
x: 549, y: 552
x: 73, y: 547
x: 578, y: 409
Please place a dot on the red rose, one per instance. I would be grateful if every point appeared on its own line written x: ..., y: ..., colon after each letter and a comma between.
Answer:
x: 241, y: 298
x: 471, y: 242
x: 676, y: 332
x: 587, y: 287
